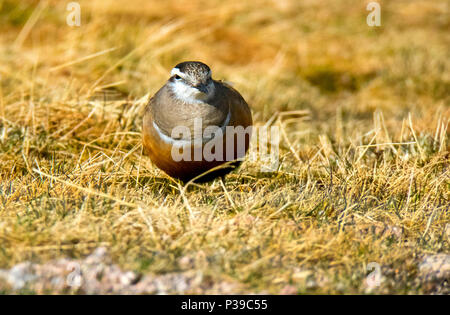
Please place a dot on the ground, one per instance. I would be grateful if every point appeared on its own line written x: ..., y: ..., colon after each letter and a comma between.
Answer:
x: 363, y: 180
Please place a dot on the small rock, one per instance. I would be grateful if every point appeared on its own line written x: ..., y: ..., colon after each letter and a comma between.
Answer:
x: 186, y: 262
x: 128, y: 278
x: 301, y: 275
x: 98, y: 256
x: 20, y: 275
x: 288, y: 290
x: 435, y: 267
x: 312, y: 284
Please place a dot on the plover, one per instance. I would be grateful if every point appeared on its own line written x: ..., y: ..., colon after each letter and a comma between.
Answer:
x: 194, y: 124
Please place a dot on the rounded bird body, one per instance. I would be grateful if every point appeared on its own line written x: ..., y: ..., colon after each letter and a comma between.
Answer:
x: 194, y: 124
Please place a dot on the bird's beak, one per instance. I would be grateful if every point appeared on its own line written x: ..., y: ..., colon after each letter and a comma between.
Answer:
x: 202, y: 88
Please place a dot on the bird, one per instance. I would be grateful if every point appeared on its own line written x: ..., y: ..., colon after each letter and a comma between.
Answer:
x: 195, y: 127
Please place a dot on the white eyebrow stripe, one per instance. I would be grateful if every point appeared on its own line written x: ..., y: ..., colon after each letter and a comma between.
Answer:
x: 170, y: 140
x: 176, y: 71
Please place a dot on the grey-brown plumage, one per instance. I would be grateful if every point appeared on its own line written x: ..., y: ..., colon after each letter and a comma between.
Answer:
x: 169, y: 111
x: 191, y: 94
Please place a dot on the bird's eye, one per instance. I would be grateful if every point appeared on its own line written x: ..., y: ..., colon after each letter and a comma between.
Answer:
x: 177, y: 77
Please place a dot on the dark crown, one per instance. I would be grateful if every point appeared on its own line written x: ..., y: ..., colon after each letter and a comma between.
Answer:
x: 194, y: 69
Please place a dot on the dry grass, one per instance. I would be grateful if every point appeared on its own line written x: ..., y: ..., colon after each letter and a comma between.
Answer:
x: 365, y: 179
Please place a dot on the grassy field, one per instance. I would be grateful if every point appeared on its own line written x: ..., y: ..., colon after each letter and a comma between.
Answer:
x: 364, y: 178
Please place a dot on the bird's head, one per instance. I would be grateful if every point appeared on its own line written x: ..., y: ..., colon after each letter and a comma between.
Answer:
x: 191, y: 81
